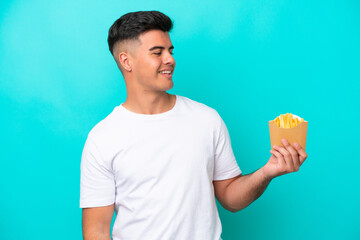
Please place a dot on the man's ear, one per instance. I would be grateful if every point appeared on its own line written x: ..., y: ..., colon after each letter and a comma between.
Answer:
x: 124, y: 61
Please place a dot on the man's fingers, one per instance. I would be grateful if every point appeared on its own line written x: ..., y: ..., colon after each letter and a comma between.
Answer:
x: 301, y: 151
x: 288, y: 158
x: 293, y: 152
x: 280, y: 158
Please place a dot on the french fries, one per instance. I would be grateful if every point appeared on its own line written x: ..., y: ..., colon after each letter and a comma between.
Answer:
x: 287, y: 120
x: 290, y: 127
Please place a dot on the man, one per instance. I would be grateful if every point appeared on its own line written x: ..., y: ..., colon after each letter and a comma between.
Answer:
x: 158, y: 159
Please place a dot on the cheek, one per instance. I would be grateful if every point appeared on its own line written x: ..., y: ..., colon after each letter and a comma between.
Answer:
x: 152, y: 67
x: 148, y: 66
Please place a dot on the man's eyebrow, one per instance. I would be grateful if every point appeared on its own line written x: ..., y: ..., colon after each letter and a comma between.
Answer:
x: 159, y: 47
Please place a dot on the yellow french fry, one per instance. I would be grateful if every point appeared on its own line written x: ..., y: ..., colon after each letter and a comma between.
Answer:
x: 287, y: 120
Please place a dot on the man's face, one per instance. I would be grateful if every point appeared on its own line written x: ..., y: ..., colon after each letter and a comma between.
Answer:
x: 152, y: 58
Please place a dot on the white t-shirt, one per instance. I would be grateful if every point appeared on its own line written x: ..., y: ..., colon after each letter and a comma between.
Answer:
x: 159, y: 171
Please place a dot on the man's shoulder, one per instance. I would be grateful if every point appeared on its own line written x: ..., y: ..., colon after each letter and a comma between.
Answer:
x: 105, y: 127
x: 199, y: 107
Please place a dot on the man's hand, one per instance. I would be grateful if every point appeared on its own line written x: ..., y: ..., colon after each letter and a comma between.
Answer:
x: 284, y: 160
x: 237, y: 193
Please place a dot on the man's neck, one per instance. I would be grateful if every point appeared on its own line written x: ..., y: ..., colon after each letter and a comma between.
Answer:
x: 150, y: 103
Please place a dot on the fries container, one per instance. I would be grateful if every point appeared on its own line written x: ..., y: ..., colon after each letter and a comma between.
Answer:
x: 295, y: 134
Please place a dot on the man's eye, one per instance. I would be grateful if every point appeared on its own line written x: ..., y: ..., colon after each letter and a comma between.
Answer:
x: 159, y: 53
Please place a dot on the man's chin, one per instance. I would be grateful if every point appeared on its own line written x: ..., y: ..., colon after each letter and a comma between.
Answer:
x: 171, y: 86
x: 168, y: 86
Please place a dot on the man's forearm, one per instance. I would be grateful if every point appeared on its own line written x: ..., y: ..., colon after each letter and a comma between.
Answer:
x: 244, y: 190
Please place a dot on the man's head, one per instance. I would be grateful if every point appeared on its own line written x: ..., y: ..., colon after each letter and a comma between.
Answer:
x: 141, y: 46
x: 131, y: 25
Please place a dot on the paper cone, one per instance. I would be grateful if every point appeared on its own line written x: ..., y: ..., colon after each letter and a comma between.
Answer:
x: 295, y: 134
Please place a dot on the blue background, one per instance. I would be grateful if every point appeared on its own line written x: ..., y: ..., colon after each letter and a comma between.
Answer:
x: 250, y: 60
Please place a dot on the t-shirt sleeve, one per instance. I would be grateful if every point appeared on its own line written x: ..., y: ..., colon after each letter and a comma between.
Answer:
x: 225, y: 163
x: 97, y: 182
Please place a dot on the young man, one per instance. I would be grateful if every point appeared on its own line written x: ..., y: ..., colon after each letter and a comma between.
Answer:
x: 158, y: 159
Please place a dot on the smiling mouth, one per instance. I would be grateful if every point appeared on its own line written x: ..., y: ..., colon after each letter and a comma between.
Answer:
x: 166, y: 72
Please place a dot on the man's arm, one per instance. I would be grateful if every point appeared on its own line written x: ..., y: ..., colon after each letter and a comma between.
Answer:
x: 237, y: 193
x: 96, y: 222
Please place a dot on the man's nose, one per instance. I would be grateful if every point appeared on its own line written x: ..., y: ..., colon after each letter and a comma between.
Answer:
x: 169, y: 59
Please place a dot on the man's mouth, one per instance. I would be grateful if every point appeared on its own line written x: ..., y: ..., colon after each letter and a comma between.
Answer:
x: 166, y: 72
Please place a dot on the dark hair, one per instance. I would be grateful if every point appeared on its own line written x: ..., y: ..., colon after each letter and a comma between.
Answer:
x: 131, y: 25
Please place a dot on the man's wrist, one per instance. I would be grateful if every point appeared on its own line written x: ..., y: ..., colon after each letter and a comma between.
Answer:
x: 264, y: 176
